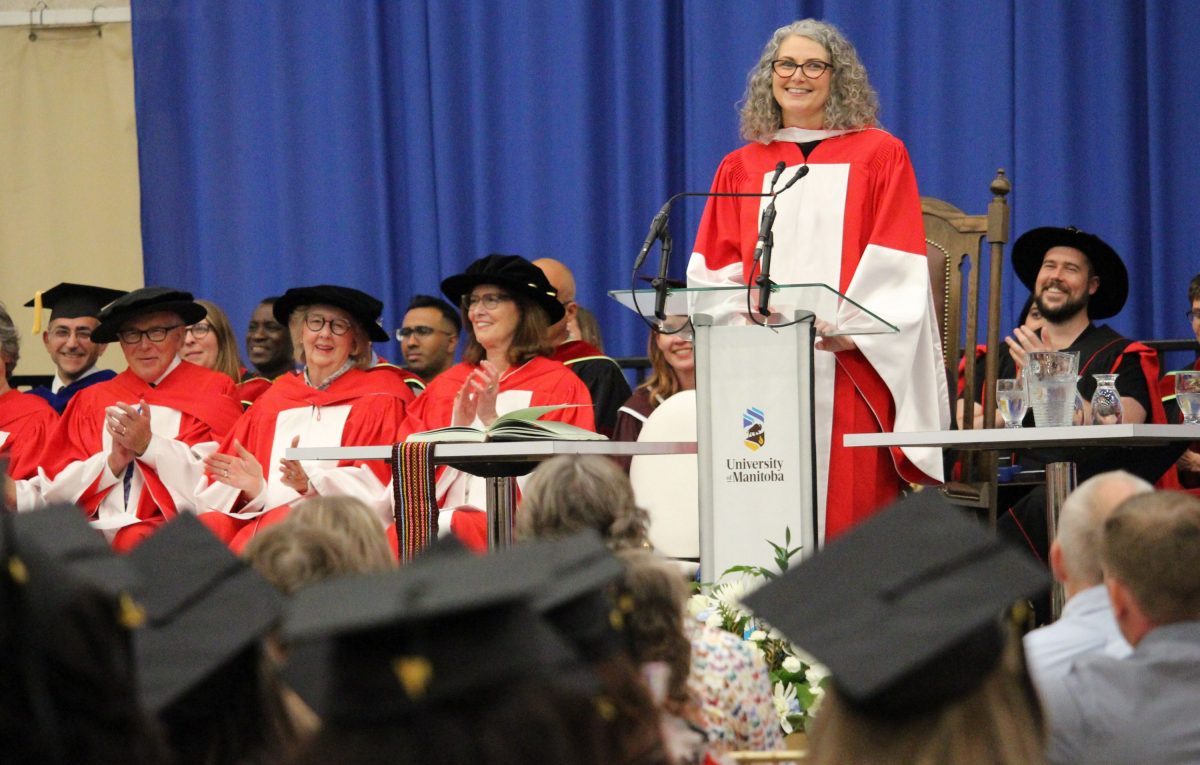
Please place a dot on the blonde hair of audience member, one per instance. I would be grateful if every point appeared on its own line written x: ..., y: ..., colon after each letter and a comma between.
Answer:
x: 228, y: 362
x: 1151, y: 561
x: 998, y: 723
x: 569, y: 493
x: 354, y: 523
x: 293, y: 557
x: 360, y: 354
x: 654, y: 626
x: 1075, y: 552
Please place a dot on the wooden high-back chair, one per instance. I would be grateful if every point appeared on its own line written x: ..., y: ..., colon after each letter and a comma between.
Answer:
x: 955, y: 246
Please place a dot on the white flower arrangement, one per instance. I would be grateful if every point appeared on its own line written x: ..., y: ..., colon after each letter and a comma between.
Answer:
x: 798, y: 681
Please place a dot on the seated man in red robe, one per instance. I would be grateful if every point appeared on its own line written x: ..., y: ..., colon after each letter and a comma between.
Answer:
x: 119, y: 444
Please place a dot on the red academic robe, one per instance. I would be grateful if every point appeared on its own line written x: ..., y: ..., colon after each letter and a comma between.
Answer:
x: 192, y: 406
x: 537, y: 382
x: 26, y: 421
x: 853, y: 223
x: 360, y: 408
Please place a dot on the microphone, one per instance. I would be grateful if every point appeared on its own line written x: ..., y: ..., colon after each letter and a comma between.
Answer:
x: 803, y: 171
x: 778, y: 172
x: 656, y: 228
x: 768, y: 216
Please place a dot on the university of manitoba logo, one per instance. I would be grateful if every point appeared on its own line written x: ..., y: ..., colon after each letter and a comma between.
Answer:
x: 753, y: 422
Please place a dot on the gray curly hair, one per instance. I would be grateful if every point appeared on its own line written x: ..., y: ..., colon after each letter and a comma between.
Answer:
x: 852, y: 103
x: 10, y: 342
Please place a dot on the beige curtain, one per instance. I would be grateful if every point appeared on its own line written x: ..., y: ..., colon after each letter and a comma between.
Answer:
x: 69, y: 202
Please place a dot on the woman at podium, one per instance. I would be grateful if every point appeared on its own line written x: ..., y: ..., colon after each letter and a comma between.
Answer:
x: 851, y: 220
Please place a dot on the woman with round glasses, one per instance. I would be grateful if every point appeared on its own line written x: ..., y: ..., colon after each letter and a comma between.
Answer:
x: 339, y: 397
x: 853, y: 222
x: 508, y: 306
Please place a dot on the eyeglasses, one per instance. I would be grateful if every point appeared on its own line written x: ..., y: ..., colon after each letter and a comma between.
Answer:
x: 198, y: 330
x: 154, y: 334
x: 64, y: 333
x: 403, y: 333
x: 316, y: 323
x: 1193, y: 314
x: 785, y: 67
x: 490, y: 300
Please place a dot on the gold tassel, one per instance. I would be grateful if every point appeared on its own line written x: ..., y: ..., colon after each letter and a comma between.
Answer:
x: 37, y: 312
x: 414, y: 673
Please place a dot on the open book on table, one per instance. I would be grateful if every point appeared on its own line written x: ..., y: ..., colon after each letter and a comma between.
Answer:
x: 518, y: 425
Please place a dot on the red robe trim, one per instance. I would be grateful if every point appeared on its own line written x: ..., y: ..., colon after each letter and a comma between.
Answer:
x: 26, y: 421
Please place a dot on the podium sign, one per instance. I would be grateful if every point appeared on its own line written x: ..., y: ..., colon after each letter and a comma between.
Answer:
x: 755, y: 447
x: 755, y: 436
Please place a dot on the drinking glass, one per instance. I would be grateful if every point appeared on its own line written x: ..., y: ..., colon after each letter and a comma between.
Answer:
x: 1010, y: 398
x: 1187, y: 395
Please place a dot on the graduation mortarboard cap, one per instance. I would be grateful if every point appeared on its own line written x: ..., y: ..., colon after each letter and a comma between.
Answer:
x: 203, y: 607
x: 576, y: 599
x: 904, y: 609
x: 70, y: 301
x: 440, y: 628
x: 71, y: 556
x: 142, y: 301
x: 366, y: 310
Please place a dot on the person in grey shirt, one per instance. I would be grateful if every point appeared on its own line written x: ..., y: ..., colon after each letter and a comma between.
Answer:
x: 1087, y: 624
x: 1142, y: 709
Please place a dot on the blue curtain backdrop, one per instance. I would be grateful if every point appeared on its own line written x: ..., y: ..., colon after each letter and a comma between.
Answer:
x: 385, y: 145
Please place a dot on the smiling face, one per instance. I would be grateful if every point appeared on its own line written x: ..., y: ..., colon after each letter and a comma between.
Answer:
x: 1064, y: 284
x: 678, y: 353
x: 69, y: 343
x: 325, y: 351
x: 494, y: 327
x: 197, y: 349
x: 146, y: 358
x: 1196, y: 319
x: 802, y: 98
x: 268, y: 343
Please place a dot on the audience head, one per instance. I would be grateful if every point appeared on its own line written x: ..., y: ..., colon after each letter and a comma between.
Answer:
x: 269, y: 342
x: 441, y: 661
x: 330, y: 325
x: 904, y: 610
x: 658, y: 594
x: 851, y: 102
x: 1069, y: 271
x: 201, y: 661
x: 523, y: 305
x: 210, y: 343
x: 149, y: 323
x: 561, y: 278
x: 68, y: 691
x: 10, y: 345
x: 569, y: 493
x: 359, y: 530
x: 1151, y: 561
x: 428, y: 336
x: 294, y: 557
x: 1075, y: 552
x: 73, y: 318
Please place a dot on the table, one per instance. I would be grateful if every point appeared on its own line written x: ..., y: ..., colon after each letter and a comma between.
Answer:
x: 500, y: 462
x: 1060, y: 476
